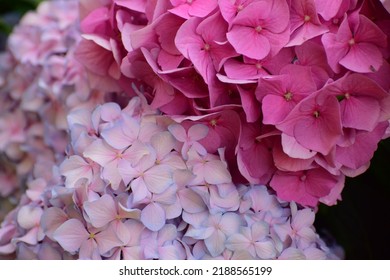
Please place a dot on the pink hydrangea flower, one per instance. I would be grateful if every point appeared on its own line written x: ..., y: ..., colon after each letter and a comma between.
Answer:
x: 265, y: 24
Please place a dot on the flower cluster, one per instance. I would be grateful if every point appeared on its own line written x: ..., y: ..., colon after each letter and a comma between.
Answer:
x: 181, y: 129
x: 40, y: 83
x: 137, y: 185
x: 296, y: 91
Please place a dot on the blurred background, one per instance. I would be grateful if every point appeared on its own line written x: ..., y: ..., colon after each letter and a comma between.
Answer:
x: 360, y: 223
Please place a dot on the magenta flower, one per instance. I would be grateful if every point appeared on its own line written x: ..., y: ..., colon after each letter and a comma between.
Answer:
x: 304, y: 187
x: 361, y: 102
x: 192, y: 8
x: 264, y: 24
x: 357, y: 45
x: 304, y: 21
x: 315, y: 122
x: 204, y: 43
x: 279, y: 94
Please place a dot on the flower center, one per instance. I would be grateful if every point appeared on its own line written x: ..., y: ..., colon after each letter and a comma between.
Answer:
x: 91, y: 236
x: 316, y: 114
x: 213, y: 122
x: 347, y: 95
x: 288, y: 96
x: 258, y: 65
x: 240, y: 7
x: 206, y: 47
x: 189, y: 1
x: 307, y: 18
x: 351, y: 42
x: 303, y: 178
x: 258, y: 29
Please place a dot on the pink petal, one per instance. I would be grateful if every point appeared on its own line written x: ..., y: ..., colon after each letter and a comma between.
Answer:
x: 220, y: 173
x: 110, y: 111
x: 29, y: 216
x: 115, y: 137
x: 292, y: 148
x: 363, y: 58
x: 197, y: 132
x: 100, y: 152
x: 255, y: 46
x: 163, y: 143
x: 360, y: 112
x: 362, y: 150
x: 89, y: 250
x: 178, y: 132
x: 216, y: 243
x: 230, y: 223
x: 70, y: 235
x: 335, y: 51
x: 158, y: 178
x: 237, y: 242
x: 319, y: 134
x: 191, y: 201
x: 260, y: 230
x: 75, y: 168
x: 153, y: 217
x: 303, y: 218
x: 140, y: 190
x: 107, y: 240
x: 101, y: 211
x: 51, y: 219
x: 265, y: 249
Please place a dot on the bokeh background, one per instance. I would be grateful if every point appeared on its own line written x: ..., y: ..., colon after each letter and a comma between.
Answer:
x: 360, y: 223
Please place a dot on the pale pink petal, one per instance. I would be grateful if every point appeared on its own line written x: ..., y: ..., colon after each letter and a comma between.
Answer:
x: 107, y: 239
x: 75, y: 168
x: 115, y: 137
x: 265, y: 249
x: 230, y: 223
x: 29, y: 216
x: 140, y: 190
x: 133, y: 253
x: 101, y: 211
x: 178, y: 132
x: 51, y: 219
x: 89, y: 250
x: 303, y: 218
x: 153, y: 216
x: 70, y: 235
x: 163, y: 143
x: 100, y: 152
x: 158, y: 178
x: 216, y: 243
x: 237, y: 242
x: 110, y: 111
x: 260, y: 230
x: 292, y: 254
x: 219, y: 174
x: 197, y: 132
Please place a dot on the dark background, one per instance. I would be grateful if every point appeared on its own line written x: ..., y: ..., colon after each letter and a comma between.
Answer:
x: 360, y: 223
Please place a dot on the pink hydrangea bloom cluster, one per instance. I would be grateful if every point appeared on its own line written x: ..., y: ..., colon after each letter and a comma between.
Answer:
x: 296, y: 91
x: 137, y: 185
x: 150, y: 129
x: 40, y: 83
